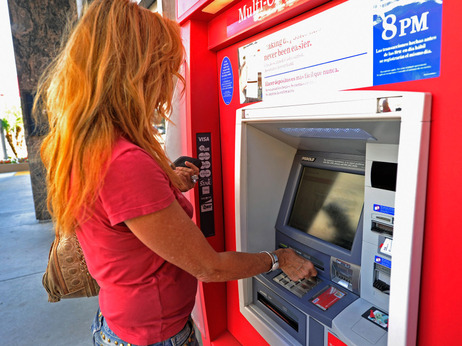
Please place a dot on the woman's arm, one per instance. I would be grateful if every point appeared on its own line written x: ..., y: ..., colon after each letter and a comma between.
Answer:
x: 172, y: 235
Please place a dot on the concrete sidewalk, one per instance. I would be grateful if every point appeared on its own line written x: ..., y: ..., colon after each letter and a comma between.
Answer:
x: 27, y: 318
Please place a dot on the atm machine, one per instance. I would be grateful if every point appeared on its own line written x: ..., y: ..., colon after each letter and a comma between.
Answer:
x: 341, y: 179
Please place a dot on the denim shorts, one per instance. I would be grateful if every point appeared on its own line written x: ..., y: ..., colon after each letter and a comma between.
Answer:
x: 102, y: 335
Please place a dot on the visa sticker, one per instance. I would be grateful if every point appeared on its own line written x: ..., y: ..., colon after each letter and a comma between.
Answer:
x: 383, y: 261
x: 384, y: 209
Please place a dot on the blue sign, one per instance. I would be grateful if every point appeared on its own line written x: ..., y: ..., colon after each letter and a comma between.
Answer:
x: 384, y: 209
x: 226, y: 80
x: 383, y: 261
x: 407, y: 40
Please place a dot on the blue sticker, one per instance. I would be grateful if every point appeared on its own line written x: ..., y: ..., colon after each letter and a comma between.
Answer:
x: 384, y: 209
x: 226, y: 80
x: 407, y: 40
x: 383, y: 261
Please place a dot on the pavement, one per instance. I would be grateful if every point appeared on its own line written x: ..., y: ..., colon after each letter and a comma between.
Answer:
x: 26, y: 316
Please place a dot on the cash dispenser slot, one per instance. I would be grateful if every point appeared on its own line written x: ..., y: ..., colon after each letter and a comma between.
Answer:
x: 278, y: 308
x: 278, y: 312
x: 382, y: 278
x: 317, y: 263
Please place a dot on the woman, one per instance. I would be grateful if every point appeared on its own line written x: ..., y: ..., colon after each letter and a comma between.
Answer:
x: 110, y: 181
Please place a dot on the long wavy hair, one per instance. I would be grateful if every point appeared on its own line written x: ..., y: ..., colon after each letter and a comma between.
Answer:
x: 114, y: 77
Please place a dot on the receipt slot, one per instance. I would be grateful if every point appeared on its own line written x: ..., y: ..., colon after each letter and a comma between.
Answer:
x: 342, y: 181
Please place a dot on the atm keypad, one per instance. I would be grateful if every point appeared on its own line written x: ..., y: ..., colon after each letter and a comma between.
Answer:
x: 299, y: 288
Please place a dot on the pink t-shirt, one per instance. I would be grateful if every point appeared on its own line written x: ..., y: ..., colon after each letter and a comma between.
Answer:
x: 143, y: 298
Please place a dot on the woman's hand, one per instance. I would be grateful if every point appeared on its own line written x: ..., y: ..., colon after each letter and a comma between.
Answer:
x: 189, y: 176
x: 295, y: 266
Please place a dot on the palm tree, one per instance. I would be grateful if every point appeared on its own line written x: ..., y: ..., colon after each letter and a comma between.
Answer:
x: 12, y: 123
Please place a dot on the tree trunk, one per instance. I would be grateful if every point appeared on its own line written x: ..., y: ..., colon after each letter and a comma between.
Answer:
x: 9, y: 138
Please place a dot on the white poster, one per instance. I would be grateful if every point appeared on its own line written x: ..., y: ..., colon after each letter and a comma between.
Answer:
x: 329, y: 51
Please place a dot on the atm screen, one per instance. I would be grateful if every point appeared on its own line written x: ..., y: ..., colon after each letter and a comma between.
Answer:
x: 328, y: 205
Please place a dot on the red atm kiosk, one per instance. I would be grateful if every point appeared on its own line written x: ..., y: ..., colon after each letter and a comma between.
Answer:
x: 256, y: 68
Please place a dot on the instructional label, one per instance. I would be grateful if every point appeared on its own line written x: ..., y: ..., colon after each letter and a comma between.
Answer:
x: 309, y: 55
x: 387, y: 246
x: 407, y: 40
x: 344, y: 163
x: 384, y: 209
x: 226, y: 80
x: 383, y: 261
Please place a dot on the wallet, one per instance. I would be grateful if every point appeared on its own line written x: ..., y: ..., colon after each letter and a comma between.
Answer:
x: 180, y: 162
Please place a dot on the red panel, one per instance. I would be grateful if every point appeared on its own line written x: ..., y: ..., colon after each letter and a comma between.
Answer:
x: 184, y: 8
x: 192, y: 10
x: 225, y: 339
x: 202, y: 116
x: 332, y: 340
x: 218, y: 27
x: 440, y: 297
x: 238, y: 326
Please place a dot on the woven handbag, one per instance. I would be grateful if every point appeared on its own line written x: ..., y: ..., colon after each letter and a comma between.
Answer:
x: 67, y: 274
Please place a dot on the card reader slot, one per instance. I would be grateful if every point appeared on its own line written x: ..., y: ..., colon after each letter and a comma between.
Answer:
x: 318, y: 264
x: 283, y: 316
x: 382, y: 228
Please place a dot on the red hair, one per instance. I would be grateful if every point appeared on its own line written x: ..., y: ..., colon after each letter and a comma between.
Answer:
x: 114, y: 77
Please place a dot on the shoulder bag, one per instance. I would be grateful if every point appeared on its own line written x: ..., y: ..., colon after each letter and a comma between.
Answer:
x: 67, y: 275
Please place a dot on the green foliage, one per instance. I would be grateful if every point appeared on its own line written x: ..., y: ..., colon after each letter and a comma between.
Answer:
x: 12, y: 124
x: 12, y: 118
